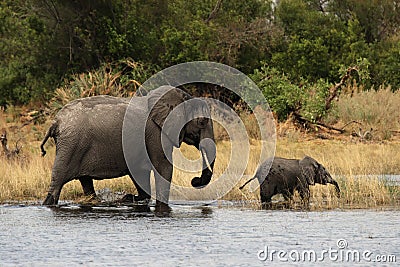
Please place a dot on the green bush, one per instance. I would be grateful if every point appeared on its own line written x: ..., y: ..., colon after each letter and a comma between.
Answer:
x: 282, y: 95
x: 285, y: 97
x: 314, y: 107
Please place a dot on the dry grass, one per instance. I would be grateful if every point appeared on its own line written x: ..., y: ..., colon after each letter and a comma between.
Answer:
x: 30, y: 181
x: 349, y: 164
x: 377, y: 110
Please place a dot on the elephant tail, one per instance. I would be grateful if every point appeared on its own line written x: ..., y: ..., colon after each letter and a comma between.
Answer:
x: 251, y: 179
x: 50, y: 133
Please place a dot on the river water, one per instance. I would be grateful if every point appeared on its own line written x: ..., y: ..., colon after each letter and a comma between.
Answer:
x: 192, y: 235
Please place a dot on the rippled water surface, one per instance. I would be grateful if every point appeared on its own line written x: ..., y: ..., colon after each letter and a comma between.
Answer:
x: 190, y: 236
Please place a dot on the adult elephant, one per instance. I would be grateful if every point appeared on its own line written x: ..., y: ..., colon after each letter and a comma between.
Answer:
x: 104, y: 137
x: 287, y: 175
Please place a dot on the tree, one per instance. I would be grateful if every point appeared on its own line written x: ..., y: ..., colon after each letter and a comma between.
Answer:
x: 379, y: 19
x: 314, y: 42
x: 24, y: 71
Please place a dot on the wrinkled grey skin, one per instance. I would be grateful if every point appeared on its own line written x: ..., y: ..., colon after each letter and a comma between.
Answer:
x: 88, y: 137
x: 287, y: 175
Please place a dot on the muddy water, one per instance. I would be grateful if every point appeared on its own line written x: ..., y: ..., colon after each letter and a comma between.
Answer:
x: 194, y: 236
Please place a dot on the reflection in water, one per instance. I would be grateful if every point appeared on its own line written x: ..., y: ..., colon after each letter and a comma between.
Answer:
x: 206, y: 210
x: 135, y: 210
x: 124, y: 210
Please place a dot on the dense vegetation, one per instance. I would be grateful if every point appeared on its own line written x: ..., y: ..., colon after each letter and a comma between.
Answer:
x: 301, y: 47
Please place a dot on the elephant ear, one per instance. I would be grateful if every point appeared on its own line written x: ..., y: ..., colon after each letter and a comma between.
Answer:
x: 308, y: 168
x: 160, y: 103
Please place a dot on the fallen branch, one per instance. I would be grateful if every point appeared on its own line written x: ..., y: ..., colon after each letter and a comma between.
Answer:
x: 329, y: 127
x: 303, y: 120
x: 350, y: 122
x: 33, y: 117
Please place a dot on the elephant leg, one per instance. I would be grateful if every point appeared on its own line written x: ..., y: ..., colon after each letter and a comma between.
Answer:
x: 163, y: 185
x: 163, y: 175
x: 142, y: 184
x: 162, y: 168
x: 287, y: 195
x: 265, y: 198
x: 54, y: 192
x: 290, y: 194
x: 267, y: 192
x: 61, y: 174
x: 87, y: 186
x: 305, y: 194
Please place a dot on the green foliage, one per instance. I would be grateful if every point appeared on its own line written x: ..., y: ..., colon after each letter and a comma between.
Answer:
x: 45, y: 43
x: 282, y: 95
x: 21, y: 56
x: 304, y: 58
x: 320, y: 39
x: 377, y: 19
x: 315, y: 44
x: 190, y: 44
x: 385, y: 64
x: 314, y: 107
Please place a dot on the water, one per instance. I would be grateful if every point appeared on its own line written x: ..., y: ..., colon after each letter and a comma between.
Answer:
x: 188, y: 236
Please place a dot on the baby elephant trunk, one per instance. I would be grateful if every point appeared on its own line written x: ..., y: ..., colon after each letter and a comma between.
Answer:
x: 336, y: 187
x: 330, y: 180
x: 327, y: 178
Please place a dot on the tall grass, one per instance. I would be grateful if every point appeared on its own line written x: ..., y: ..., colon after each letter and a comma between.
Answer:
x: 356, y: 167
x: 30, y: 182
x: 378, y: 110
x: 110, y: 79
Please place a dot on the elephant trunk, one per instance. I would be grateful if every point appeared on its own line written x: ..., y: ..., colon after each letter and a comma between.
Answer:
x: 336, y: 187
x: 327, y: 178
x: 206, y: 174
x: 330, y: 180
x: 208, y: 151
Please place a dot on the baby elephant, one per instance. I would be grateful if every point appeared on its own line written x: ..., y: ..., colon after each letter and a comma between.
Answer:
x: 287, y: 175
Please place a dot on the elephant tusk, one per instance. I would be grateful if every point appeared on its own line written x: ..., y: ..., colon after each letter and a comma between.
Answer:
x: 206, y: 159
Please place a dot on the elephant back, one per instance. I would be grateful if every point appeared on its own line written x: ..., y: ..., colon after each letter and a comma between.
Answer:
x: 282, y: 169
x: 96, y: 111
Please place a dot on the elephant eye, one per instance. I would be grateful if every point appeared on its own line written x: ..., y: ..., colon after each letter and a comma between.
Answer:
x: 202, y: 122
